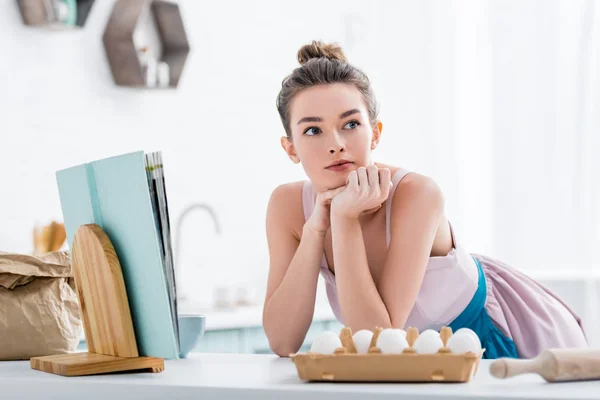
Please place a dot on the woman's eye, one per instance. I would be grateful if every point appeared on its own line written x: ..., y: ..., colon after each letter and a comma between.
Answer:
x: 352, y: 125
x: 312, y: 131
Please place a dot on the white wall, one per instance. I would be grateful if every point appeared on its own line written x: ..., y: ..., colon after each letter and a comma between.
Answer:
x: 546, y: 132
x: 219, y: 131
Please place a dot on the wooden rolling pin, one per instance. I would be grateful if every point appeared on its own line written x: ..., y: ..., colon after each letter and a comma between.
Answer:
x: 554, y: 365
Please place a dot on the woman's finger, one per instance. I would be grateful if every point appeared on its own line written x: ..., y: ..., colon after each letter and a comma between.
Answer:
x: 336, y: 192
x: 373, y: 175
x: 363, y: 180
x: 330, y: 194
x: 325, y: 197
x: 385, y: 180
x: 353, y: 179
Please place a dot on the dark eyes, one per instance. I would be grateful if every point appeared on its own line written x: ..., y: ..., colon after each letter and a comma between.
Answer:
x: 352, y: 125
x: 314, y: 130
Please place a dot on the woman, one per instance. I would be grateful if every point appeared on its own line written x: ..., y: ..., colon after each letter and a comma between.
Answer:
x: 378, y: 234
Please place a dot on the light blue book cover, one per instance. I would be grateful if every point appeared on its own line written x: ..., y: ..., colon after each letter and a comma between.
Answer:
x: 114, y: 194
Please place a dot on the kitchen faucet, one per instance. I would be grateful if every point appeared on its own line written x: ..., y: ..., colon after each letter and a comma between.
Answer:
x: 182, y: 216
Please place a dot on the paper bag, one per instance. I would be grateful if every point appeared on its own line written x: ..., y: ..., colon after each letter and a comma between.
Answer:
x: 39, y: 309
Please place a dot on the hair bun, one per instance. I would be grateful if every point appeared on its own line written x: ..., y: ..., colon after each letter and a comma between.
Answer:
x: 319, y: 49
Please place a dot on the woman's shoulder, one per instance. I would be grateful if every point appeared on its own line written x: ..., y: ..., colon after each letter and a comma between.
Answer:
x: 410, y: 184
x: 409, y: 179
x: 416, y: 199
x: 288, y: 192
x: 416, y: 189
x: 285, y: 205
x: 418, y: 183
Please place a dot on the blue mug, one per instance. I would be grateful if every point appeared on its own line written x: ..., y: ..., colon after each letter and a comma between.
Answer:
x: 191, y: 329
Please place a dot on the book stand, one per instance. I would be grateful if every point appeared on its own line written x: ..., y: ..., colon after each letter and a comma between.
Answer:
x: 105, y: 312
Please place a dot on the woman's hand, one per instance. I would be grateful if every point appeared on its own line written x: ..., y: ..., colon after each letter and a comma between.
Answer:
x: 319, y: 221
x: 365, y: 192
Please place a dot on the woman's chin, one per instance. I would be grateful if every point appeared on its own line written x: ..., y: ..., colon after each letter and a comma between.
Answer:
x: 323, y: 184
x: 338, y: 183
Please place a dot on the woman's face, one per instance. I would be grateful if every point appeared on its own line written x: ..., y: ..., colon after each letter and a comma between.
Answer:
x: 330, y: 124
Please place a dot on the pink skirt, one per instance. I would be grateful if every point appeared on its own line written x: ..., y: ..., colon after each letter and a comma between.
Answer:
x: 528, y: 313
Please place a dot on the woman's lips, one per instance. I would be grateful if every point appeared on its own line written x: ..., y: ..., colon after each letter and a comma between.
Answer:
x: 341, y: 167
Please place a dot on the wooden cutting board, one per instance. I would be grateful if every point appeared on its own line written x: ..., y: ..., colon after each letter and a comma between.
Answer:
x: 105, y: 313
x: 102, y: 295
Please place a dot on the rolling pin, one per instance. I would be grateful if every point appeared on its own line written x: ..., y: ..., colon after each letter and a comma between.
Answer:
x: 554, y: 365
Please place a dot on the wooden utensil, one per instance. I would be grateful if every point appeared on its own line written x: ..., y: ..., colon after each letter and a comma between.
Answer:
x: 554, y: 365
x: 59, y: 236
x: 48, y: 238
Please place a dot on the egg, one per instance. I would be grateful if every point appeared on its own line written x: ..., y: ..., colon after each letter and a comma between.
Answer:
x: 471, y: 333
x: 463, y: 341
x: 326, y: 343
x: 392, y: 341
x: 428, y: 342
x: 362, y: 340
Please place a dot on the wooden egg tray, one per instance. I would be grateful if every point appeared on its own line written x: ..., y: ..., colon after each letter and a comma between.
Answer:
x: 346, y: 365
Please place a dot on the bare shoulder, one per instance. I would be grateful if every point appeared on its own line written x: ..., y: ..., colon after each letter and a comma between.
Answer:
x: 416, y: 188
x: 285, y: 207
x: 287, y: 194
x: 418, y: 203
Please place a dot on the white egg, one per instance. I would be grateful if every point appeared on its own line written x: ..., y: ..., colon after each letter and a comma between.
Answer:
x: 326, y: 343
x: 362, y: 340
x: 471, y: 333
x: 428, y: 342
x: 392, y: 341
x: 463, y: 342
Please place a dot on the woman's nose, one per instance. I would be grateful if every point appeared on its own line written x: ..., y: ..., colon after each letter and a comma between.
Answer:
x: 337, y: 144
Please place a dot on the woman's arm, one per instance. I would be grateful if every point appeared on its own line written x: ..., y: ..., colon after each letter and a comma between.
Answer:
x: 293, y: 272
x: 361, y: 305
x: 417, y: 208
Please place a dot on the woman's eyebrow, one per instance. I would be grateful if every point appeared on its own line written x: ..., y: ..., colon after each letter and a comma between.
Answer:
x: 310, y: 119
x: 349, y: 113
x: 319, y: 119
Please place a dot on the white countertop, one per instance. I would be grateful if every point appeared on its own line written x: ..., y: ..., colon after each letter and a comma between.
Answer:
x: 232, y: 376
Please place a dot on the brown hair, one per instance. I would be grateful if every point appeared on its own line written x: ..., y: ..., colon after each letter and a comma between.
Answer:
x: 322, y: 64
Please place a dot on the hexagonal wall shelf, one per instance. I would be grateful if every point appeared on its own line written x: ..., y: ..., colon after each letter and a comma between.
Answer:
x: 55, y: 14
x: 146, y: 43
